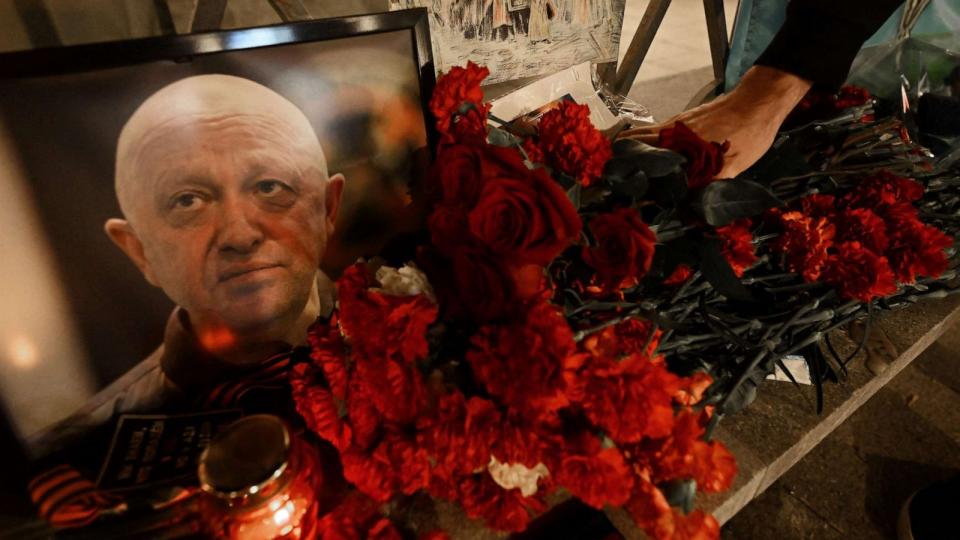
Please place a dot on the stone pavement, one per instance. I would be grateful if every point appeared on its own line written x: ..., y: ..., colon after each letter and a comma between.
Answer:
x: 852, y: 484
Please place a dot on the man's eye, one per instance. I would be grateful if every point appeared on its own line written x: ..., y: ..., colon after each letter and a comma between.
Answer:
x: 186, y: 201
x: 275, y: 193
x: 270, y: 187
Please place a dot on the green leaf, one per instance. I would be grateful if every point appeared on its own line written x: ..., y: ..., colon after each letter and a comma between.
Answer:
x: 680, y: 493
x: 574, y: 194
x: 668, y: 191
x: 499, y: 137
x: 633, y: 186
x: 726, y: 200
x: 654, y: 162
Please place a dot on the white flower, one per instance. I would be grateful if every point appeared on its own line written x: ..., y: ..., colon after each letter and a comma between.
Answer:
x: 405, y: 281
x: 516, y: 475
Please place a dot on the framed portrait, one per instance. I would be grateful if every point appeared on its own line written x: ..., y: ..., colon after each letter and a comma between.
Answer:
x: 167, y: 137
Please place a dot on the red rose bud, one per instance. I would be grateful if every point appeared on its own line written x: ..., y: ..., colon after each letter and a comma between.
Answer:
x: 622, y: 249
x: 704, y: 159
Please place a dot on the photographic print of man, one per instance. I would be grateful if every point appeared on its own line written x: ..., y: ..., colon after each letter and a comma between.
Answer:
x: 227, y: 207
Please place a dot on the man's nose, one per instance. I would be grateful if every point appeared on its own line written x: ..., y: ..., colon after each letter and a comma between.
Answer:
x: 240, y: 232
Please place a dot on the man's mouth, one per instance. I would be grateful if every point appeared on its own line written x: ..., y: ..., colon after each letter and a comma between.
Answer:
x: 243, y: 270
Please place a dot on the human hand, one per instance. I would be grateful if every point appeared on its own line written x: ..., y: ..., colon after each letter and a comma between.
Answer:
x: 748, y: 117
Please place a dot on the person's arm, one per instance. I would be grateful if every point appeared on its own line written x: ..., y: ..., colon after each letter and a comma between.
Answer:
x: 820, y: 38
x: 816, y: 45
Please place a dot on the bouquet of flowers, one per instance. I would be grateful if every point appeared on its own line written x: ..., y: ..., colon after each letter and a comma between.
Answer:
x: 582, y: 312
x: 472, y: 381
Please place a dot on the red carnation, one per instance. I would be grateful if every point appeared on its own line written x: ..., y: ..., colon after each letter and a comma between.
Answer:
x: 704, y: 159
x: 350, y: 520
x: 457, y: 104
x: 522, y: 366
x: 379, y: 325
x: 883, y: 189
x: 502, y: 509
x: 571, y: 144
x: 851, y: 96
x: 858, y: 273
x: 622, y: 249
x: 864, y: 226
x: 804, y: 242
x: 395, y: 465
x: 597, y: 476
x: 737, y: 245
x: 623, y: 339
x: 679, y: 276
x: 916, y: 249
x: 317, y: 406
x: 629, y: 399
x: 819, y: 206
x: 459, y: 435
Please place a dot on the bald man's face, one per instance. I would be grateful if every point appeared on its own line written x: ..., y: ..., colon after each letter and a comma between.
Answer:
x: 233, y: 213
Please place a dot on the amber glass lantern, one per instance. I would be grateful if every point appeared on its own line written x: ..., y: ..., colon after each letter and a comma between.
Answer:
x: 259, y: 481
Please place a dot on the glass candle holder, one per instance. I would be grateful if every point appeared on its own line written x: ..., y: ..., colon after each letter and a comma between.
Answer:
x: 259, y: 481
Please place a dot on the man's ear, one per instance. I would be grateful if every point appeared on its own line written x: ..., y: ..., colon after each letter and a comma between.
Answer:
x: 123, y: 235
x: 333, y: 196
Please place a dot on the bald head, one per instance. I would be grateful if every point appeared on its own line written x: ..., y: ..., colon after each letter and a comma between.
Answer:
x: 181, y: 110
x: 228, y: 204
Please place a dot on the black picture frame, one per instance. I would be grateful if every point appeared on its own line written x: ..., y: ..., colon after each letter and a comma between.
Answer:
x: 184, y: 47
x: 62, y: 60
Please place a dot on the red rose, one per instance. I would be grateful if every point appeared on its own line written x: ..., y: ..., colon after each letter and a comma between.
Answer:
x: 457, y: 174
x: 737, y: 245
x: 704, y: 159
x: 520, y: 215
x: 457, y: 104
x: 525, y: 220
x: 571, y: 144
x: 471, y: 284
x: 858, y: 273
x: 622, y: 249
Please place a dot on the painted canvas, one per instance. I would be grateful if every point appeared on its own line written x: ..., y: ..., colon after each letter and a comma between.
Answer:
x: 521, y: 38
